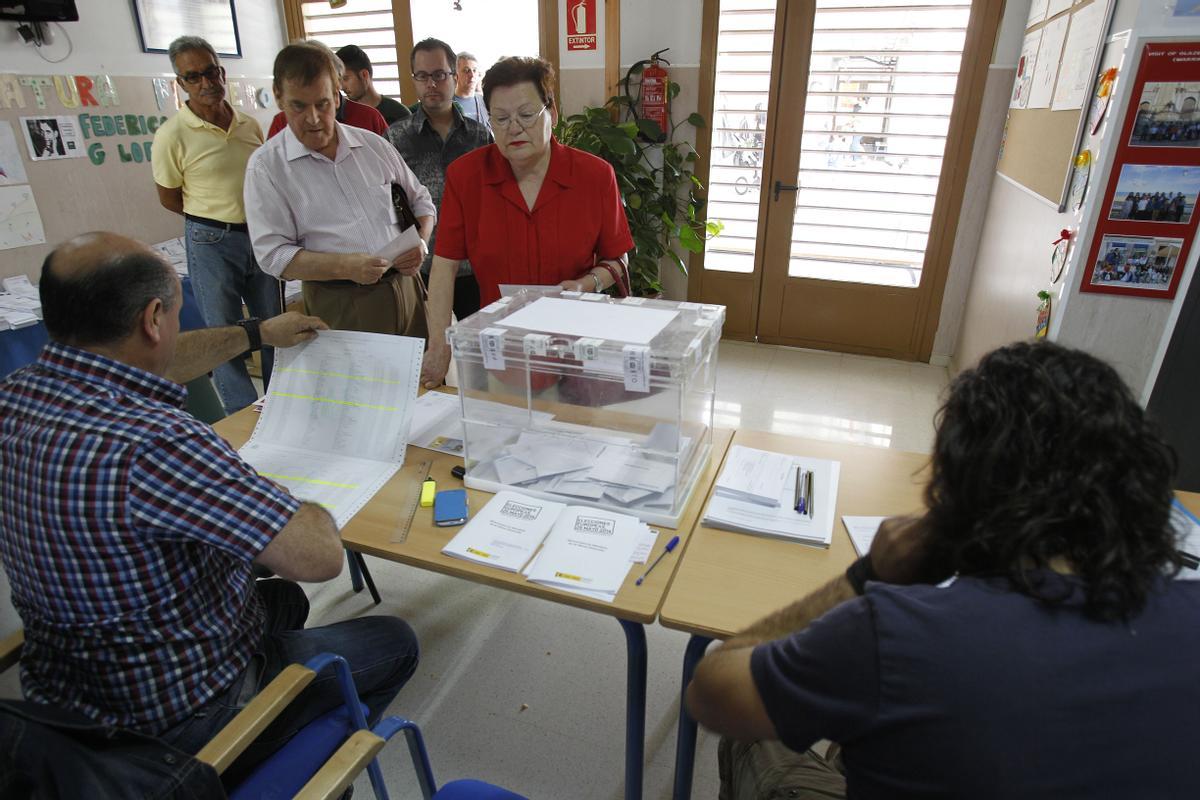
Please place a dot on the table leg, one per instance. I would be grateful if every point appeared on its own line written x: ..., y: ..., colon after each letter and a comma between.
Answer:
x: 685, y: 739
x: 366, y: 576
x: 635, y: 708
x: 356, y: 581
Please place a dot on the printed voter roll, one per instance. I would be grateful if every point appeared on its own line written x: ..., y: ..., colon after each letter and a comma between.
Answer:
x: 335, y: 425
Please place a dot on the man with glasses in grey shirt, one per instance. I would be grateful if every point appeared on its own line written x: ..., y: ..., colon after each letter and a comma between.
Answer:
x: 437, y: 133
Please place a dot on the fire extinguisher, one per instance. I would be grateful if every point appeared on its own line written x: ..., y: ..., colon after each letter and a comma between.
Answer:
x: 653, y: 100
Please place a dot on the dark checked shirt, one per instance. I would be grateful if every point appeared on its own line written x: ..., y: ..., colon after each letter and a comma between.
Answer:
x: 428, y: 155
x: 127, y: 529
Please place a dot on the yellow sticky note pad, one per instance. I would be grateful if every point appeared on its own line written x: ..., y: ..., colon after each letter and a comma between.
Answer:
x: 428, y: 490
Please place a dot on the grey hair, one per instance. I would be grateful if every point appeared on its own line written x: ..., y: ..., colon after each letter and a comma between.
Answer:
x: 468, y: 56
x: 186, y: 43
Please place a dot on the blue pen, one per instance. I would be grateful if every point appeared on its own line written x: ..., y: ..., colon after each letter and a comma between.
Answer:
x: 801, y: 499
x: 670, y: 546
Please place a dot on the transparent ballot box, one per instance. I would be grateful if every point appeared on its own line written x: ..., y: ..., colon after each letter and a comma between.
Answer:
x: 589, y: 400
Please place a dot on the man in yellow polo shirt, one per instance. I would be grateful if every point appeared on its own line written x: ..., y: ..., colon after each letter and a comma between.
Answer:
x: 199, y: 162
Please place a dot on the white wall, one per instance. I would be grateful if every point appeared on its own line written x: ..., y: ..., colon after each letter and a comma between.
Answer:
x: 105, y: 40
x: 649, y: 27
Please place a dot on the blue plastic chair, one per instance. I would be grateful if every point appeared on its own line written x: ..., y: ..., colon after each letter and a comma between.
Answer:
x: 465, y: 789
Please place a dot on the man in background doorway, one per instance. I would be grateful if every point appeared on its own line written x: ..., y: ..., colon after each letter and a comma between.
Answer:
x: 358, y: 82
x: 439, y: 132
x: 467, y: 96
x: 200, y: 158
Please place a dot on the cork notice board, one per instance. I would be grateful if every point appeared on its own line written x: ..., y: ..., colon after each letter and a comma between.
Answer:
x: 1040, y: 143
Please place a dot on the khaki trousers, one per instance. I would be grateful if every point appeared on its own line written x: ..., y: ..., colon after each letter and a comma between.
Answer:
x: 770, y: 771
x: 394, y: 305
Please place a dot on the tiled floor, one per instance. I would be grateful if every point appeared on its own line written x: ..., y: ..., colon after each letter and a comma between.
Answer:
x: 531, y: 695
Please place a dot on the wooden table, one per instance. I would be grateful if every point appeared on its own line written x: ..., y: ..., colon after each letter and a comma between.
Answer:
x: 371, y: 531
x: 725, y: 580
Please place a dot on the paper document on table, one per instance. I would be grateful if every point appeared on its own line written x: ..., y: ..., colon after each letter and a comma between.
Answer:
x: 862, y: 531
x: 631, y: 324
x: 756, y: 476
x: 336, y: 421
x: 506, y: 532
x: 588, y: 548
x: 784, y: 521
x: 1187, y: 529
x: 409, y: 238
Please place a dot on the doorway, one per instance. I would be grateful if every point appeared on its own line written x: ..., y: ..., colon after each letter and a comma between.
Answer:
x: 837, y: 157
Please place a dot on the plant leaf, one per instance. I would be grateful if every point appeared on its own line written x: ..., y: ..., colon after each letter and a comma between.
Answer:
x: 650, y: 129
x: 672, y: 90
x: 696, y: 120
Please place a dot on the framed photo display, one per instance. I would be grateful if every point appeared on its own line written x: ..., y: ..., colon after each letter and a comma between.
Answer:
x: 160, y: 22
x: 1147, y: 222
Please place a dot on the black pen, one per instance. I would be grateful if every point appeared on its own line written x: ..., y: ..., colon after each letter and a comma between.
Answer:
x: 1190, y: 561
x: 808, y: 505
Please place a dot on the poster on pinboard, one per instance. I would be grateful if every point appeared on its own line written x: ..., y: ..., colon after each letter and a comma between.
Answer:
x: 12, y: 168
x: 1147, y: 222
x: 20, y: 220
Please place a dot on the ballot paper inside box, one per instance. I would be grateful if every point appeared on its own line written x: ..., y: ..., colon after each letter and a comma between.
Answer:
x: 588, y: 399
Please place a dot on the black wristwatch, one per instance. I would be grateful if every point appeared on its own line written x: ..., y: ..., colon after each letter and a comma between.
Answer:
x: 250, y: 326
x: 859, y: 573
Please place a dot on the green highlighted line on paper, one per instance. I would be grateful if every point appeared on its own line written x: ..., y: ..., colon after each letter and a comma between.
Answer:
x: 299, y: 479
x: 335, y: 401
x: 324, y: 373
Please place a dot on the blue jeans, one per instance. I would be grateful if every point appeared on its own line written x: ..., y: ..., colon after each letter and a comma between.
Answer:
x: 381, y: 651
x: 224, y: 273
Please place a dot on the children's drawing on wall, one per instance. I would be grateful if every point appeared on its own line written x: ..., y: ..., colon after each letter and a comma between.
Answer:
x: 20, y: 222
x: 12, y: 169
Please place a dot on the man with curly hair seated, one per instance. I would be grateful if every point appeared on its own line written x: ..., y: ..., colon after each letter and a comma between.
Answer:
x: 1026, y: 637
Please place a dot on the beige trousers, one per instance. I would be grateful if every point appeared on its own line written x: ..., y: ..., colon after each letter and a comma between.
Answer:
x: 394, y: 305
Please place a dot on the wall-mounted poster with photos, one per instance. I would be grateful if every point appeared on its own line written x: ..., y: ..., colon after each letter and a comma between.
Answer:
x: 1148, y: 220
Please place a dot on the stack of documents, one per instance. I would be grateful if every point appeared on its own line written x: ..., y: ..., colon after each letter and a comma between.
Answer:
x: 781, y: 519
x: 754, y: 476
x: 175, y: 252
x: 584, y: 551
x: 20, y: 304
x: 335, y: 424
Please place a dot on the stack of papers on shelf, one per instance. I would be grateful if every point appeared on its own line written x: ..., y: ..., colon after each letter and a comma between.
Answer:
x: 335, y: 424
x: 584, y: 551
x: 782, y: 520
x: 20, y: 304
x: 755, y: 476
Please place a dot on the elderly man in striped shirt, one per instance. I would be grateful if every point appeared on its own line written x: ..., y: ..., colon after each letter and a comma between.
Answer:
x: 320, y: 203
x: 129, y: 528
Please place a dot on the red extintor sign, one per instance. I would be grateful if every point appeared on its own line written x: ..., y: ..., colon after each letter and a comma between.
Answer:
x: 581, y: 24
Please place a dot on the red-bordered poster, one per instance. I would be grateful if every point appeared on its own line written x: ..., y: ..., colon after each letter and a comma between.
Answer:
x: 1148, y: 218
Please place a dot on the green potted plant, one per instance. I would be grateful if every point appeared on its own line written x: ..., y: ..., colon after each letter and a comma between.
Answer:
x: 656, y: 181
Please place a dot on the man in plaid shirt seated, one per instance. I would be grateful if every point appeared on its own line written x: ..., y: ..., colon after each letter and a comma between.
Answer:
x: 129, y: 529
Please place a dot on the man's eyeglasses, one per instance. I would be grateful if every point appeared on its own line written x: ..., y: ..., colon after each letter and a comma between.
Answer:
x: 523, y: 119
x: 213, y: 74
x: 431, y: 77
